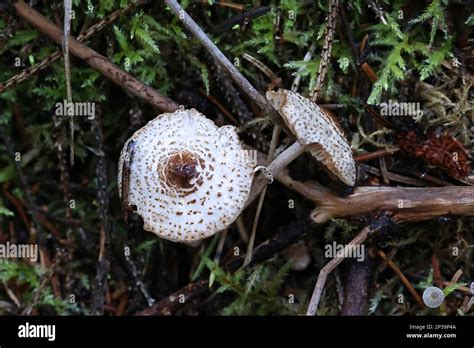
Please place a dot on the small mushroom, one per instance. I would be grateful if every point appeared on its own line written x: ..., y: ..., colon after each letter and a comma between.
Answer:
x: 186, y: 178
x: 433, y: 297
x: 317, y: 131
x: 299, y: 256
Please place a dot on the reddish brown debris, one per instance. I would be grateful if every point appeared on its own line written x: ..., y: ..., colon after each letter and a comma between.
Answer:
x: 443, y: 151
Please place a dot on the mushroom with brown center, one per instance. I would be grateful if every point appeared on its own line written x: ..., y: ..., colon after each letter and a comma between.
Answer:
x: 186, y: 178
x: 317, y: 131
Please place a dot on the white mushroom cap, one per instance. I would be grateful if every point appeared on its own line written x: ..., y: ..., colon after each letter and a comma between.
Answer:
x: 433, y: 297
x: 318, y: 131
x: 186, y: 178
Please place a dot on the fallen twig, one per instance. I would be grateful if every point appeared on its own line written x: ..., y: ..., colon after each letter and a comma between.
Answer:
x: 402, y: 277
x: 409, y: 204
x: 28, y: 72
x: 235, y: 74
x: 326, y: 51
x: 96, y: 60
x: 383, y: 221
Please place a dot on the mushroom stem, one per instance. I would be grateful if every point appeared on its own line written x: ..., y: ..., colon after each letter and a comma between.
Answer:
x: 275, y: 167
x: 271, y: 153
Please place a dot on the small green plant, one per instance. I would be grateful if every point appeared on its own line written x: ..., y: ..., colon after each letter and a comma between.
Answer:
x: 257, y: 289
x: 29, y: 278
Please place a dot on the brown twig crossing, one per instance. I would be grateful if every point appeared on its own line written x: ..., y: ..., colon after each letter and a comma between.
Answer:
x: 28, y: 72
x: 382, y: 221
x: 234, y: 73
x: 96, y: 60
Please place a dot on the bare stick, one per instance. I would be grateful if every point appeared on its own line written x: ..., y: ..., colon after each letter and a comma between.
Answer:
x: 383, y: 221
x: 326, y: 52
x: 318, y: 289
x: 409, y: 204
x: 234, y: 73
x: 139, y: 284
x: 402, y: 277
x: 28, y: 72
x: 67, y: 72
x: 96, y: 60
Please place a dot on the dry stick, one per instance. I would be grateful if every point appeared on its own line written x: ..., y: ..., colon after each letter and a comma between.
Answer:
x: 103, y: 264
x: 318, y: 289
x: 326, y: 51
x: 375, y: 154
x: 139, y: 284
x: 394, y: 177
x: 402, y: 277
x: 409, y: 204
x: 96, y: 60
x: 286, y: 236
x: 67, y: 70
x: 271, y: 152
x: 28, y: 72
x: 235, y: 74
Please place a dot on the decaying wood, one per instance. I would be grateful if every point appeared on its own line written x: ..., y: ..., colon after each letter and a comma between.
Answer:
x: 96, y: 60
x: 409, y: 204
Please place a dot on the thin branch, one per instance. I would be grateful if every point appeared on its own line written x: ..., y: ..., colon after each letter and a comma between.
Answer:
x: 326, y: 51
x: 96, y: 60
x: 28, y: 72
x: 234, y: 73
x: 408, y: 203
x: 67, y: 73
x: 402, y: 277
x: 381, y: 222
x: 330, y: 266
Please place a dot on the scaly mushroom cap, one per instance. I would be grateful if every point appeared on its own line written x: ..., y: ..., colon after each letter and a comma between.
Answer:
x: 186, y: 178
x: 318, y: 131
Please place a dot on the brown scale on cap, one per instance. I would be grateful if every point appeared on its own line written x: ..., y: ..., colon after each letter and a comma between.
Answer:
x: 181, y: 172
x: 316, y: 129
